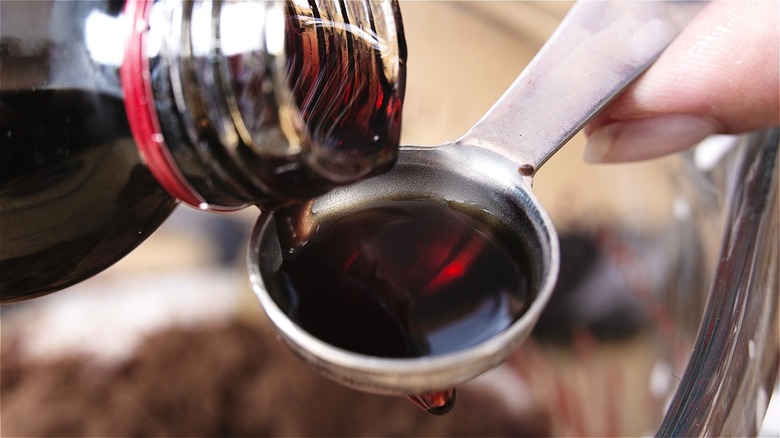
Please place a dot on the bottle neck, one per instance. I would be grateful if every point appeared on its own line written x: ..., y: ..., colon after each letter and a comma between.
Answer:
x: 246, y: 102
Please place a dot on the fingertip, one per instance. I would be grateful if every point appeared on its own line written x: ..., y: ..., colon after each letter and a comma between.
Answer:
x: 725, y: 65
x: 643, y: 139
x: 599, y: 144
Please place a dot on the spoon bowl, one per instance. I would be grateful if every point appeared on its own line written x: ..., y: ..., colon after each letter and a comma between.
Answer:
x: 442, y: 174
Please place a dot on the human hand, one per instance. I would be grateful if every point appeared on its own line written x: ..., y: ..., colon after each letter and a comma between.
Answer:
x: 721, y: 75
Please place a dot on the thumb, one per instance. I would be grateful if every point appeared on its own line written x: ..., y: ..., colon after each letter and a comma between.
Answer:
x: 721, y: 75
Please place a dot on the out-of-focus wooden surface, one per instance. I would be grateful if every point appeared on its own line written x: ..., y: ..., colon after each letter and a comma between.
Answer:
x: 462, y: 56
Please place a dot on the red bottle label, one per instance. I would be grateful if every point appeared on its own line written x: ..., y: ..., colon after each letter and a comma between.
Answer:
x: 139, y: 104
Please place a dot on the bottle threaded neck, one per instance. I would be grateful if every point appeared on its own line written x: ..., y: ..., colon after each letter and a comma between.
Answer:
x: 237, y: 103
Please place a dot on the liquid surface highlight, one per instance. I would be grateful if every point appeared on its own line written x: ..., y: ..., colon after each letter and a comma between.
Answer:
x: 403, y: 279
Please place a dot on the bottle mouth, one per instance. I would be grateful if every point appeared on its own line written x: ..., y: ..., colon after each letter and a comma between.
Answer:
x: 238, y: 103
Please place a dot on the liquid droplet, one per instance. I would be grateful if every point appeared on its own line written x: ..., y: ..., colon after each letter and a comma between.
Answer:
x: 437, y: 402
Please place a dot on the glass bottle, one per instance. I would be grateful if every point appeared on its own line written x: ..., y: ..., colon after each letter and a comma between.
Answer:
x: 112, y: 112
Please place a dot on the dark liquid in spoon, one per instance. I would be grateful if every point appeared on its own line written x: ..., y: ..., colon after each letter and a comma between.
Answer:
x: 404, y: 279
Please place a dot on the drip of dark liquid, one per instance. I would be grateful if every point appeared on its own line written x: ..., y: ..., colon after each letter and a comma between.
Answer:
x: 436, y: 403
x: 404, y: 279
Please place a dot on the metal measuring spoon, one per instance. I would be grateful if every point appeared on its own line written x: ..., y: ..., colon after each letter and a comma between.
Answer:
x: 598, y: 49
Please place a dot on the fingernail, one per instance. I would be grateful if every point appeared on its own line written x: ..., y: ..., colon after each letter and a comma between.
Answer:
x: 647, y: 138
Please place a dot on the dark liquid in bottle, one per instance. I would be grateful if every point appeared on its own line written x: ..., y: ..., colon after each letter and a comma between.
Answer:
x: 348, y: 97
x: 404, y: 279
x: 74, y: 195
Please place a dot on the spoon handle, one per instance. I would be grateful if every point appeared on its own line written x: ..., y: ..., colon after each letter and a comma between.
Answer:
x: 598, y: 49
